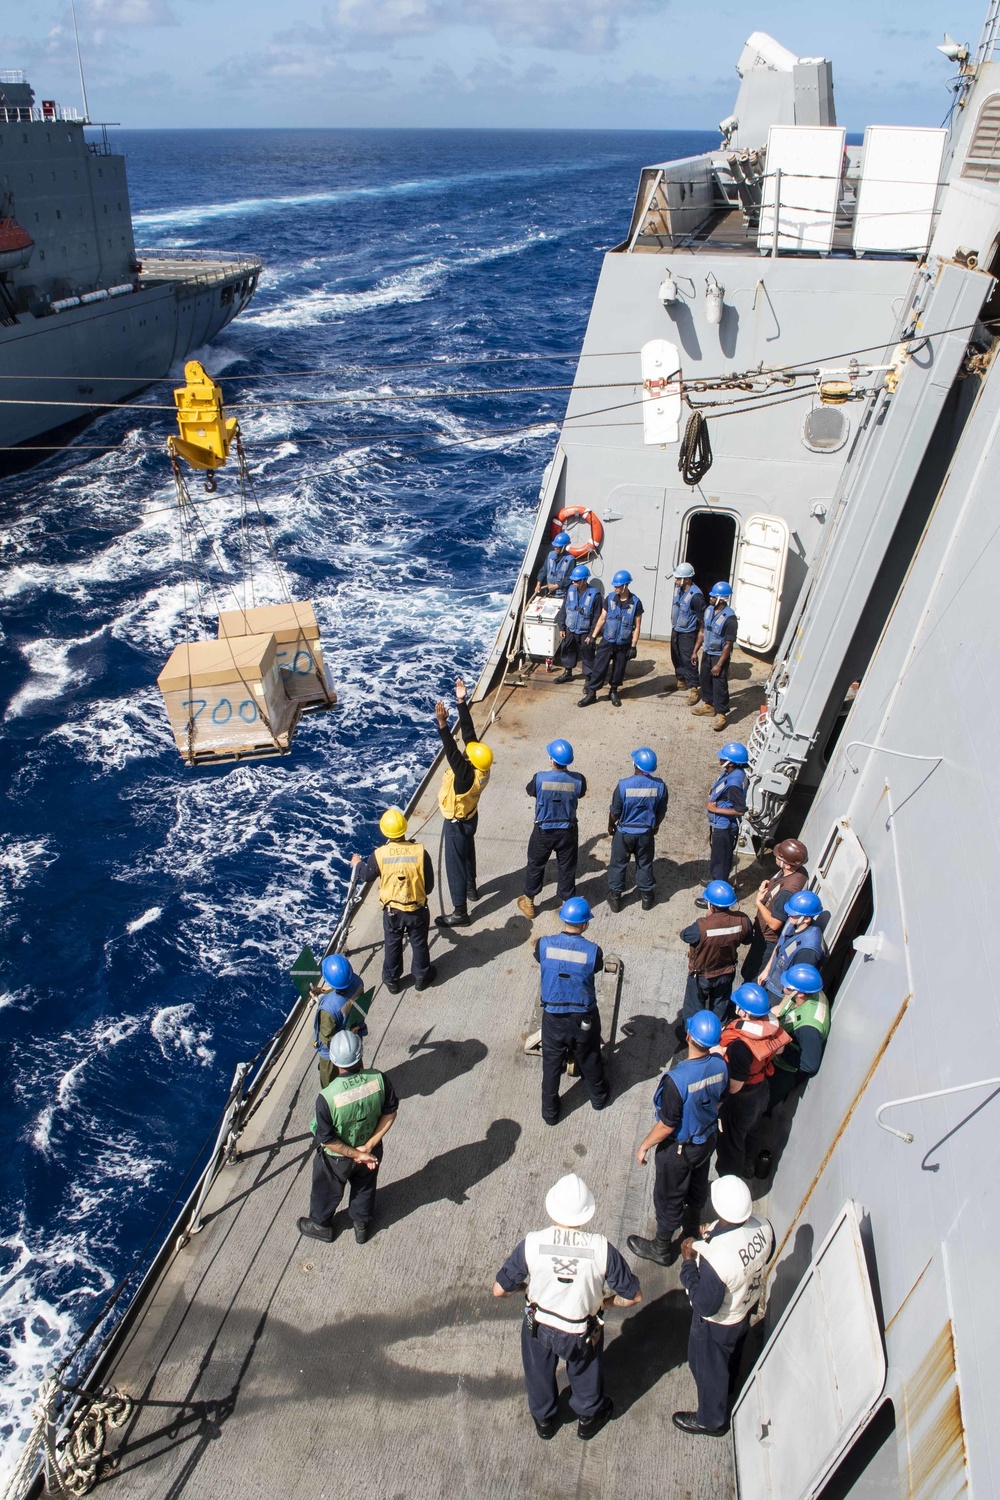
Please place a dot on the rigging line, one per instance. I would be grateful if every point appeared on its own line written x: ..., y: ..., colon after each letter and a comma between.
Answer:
x: 246, y: 481
x: 352, y: 368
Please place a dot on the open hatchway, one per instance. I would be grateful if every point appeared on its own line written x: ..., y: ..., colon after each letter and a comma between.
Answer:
x: 710, y: 546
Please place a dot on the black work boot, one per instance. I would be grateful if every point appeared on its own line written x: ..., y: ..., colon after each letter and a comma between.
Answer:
x: 662, y: 1250
x: 564, y: 676
x: 615, y: 900
x: 361, y: 1231
x: 456, y: 918
x: 589, y: 1427
x: 648, y: 900
x: 587, y: 699
x: 314, y: 1231
x: 547, y: 1429
x: 428, y: 979
x: 471, y: 891
x: 614, y: 699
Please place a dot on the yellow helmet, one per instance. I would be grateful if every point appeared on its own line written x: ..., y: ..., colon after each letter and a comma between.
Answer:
x: 393, y: 823
x: 480, y: 755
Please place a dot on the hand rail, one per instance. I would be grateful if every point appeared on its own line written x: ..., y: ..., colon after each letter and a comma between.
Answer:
x: 958, y: 1088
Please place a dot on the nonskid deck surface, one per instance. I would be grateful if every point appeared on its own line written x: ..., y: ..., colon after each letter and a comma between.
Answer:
x: 279, y: 1366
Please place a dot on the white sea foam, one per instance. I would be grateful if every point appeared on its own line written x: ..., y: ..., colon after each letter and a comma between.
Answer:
x: 175, y: 1031
x: 38, y: 1320
x: 53, y: 673
x: 410, y: 285
x: 152, y: 915
x: 158, y: 219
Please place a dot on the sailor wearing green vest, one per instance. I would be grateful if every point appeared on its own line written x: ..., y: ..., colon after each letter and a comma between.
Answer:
x: 804, y: 1013
x: 353, y: 1113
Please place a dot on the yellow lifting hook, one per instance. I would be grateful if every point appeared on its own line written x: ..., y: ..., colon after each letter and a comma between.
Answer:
x: 205, y: 431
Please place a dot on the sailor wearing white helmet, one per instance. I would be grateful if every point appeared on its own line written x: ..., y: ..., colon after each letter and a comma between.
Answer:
x: 570, y: 1276
x: 722, y: 1274
x: 686, y: 614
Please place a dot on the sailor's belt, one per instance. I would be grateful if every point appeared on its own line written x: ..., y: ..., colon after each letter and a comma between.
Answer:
x: 406, y: 905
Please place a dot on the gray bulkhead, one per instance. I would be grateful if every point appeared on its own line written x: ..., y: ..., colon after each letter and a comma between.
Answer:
x: 910, y: 785
x: 789, y: 310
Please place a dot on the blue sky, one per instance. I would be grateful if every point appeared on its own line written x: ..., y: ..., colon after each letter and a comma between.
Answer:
x: 638, y: 64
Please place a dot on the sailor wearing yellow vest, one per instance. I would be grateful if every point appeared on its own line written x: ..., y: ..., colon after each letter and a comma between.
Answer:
x: 722, y: 1274
x: 462, y: 785
x: 405, y: 876
x: 353, y: 1113
x: 570, y: 1276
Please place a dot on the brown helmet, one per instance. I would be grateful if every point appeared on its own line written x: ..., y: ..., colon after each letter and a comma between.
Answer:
x: 792, y: 851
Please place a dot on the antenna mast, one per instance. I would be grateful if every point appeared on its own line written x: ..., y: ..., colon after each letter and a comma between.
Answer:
x: 79, y: 62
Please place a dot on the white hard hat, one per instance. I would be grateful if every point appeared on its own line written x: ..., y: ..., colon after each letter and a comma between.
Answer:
x: 731, y: 1199
x: 570, y: 1202
x: 684, y: 570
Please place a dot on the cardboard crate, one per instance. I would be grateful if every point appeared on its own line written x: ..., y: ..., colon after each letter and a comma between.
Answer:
x: 225, y: 699
x: 300, y: 651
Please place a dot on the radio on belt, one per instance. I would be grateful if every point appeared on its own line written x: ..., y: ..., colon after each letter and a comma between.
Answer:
x: 540, y: 635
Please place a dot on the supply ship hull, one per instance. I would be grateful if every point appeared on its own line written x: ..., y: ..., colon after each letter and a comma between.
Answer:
x: 860, y: 538
x: 86, y: 320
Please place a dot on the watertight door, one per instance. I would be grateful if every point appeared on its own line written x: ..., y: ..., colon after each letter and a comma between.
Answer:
x: 818, y: 1378
x: 633, y: 518
x: 760, y: 574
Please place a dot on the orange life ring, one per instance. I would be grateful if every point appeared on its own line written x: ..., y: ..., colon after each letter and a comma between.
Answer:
x: 572, y: 512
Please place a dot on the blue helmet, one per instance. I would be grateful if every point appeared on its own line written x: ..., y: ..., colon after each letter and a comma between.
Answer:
x: 561, y: 751
x: 579, y: 573
x: 720, y: 893
x: 735, y: 753
x: 561, y: 539
x: 803, y: 904
x: 752, y: 998
x: 721, y: 590
x: 805, y: 978
x: 705, y: 1028
x: 621, y: 578
x: 337, y: 971
x: 645, y: 759
x: 575, y: 911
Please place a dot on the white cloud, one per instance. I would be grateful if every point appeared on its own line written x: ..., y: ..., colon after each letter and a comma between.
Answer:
x: 300, y: 62
x: 101, y: 13
x: 569, y: 25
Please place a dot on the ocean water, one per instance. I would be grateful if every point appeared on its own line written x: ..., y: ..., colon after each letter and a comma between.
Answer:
x: 149, y: 913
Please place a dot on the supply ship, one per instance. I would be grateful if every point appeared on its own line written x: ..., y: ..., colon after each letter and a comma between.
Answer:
x: 86, y: 320
x: 826, y: 315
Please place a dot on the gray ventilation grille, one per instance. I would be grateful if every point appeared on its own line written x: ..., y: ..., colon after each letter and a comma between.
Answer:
x: 825, y: 429
x: 983, y: 160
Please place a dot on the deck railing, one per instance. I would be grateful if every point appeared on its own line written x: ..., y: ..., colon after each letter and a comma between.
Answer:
x: 195, y: 267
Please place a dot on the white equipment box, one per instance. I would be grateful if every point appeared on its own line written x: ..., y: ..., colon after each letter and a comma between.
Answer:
x: 541, y: 634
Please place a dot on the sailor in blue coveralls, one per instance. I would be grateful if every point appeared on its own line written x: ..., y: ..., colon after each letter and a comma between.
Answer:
x: 577, y: 621
x: 727, y: 802
x: 686, y: 1105
x: 571, y: 1021
x: 618, y: 628
x: 686, y: 614
x: 638, y: 807
x: 799, y: 942
x: 557, y: 793
x: 570, y: 1276
x: 716, y: 640
x: 554, y: 574
x: 331, y: 1013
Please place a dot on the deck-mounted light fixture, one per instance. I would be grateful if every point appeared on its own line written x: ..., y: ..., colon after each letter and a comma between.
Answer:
x: 714, y: 294
x: 668, y: 293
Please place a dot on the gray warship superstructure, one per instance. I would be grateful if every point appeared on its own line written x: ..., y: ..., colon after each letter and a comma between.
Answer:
x: 832, y: 315
x: 85, y: 319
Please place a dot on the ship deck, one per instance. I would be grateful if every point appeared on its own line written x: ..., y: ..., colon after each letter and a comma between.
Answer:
x: 285, y: 1367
